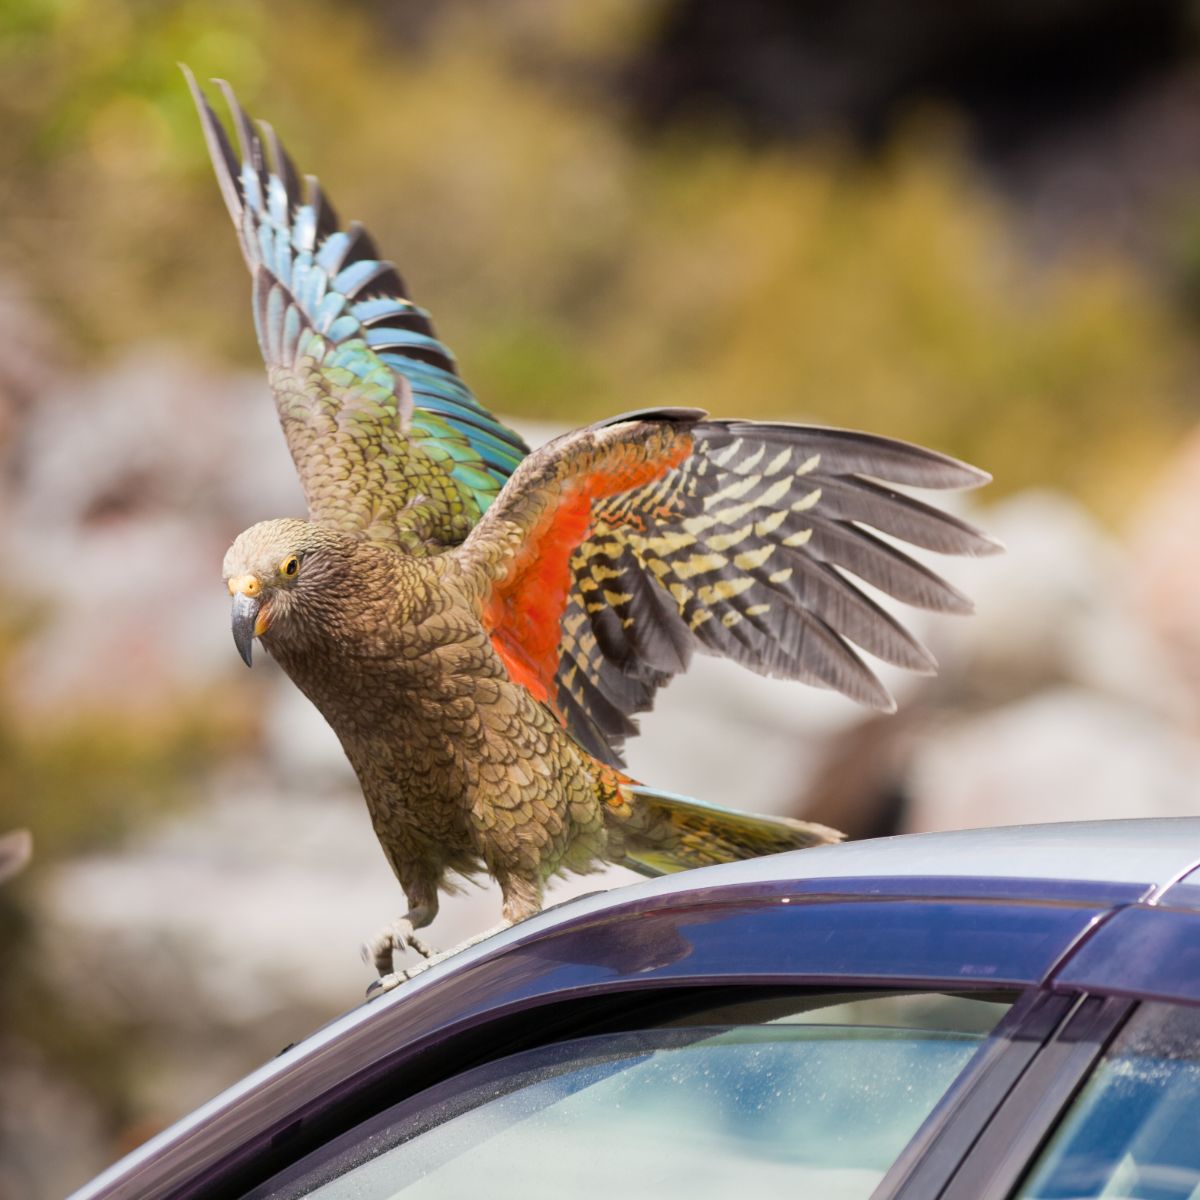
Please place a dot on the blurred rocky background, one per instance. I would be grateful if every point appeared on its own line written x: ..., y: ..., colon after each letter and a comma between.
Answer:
x: 976, y: 226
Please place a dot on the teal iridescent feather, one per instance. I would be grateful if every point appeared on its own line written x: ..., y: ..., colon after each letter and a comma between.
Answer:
x: 331, y: 282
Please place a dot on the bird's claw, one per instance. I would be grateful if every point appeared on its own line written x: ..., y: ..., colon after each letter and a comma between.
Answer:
x: 399, y: 936
x: 393, y: 979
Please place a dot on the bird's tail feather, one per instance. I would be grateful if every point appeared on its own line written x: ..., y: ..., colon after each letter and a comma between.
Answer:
x: 667, y: 833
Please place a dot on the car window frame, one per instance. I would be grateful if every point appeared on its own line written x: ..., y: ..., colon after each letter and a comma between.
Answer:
x: 533, y: 987
x: 1008, y: 1038
x: 1020, y: 1125
x: 1121, y: 1053
x: 1106, y: 978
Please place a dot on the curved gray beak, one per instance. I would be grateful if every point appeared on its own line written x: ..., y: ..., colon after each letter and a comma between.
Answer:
x: 245, y: 615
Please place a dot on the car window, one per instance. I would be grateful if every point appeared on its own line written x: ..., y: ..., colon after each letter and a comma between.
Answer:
x: 1133, y: 1133
x: 817, y: 1096
x: 969, y: 1012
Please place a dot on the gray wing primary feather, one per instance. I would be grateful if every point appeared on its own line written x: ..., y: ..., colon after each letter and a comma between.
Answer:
x: 849, y: 452
x: 746, y: 549
x: 823, y: 590
x: 857, y: 550
x: 853, y: 498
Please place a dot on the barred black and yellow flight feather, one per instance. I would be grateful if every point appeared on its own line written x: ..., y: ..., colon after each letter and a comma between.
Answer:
x: 745, y: 550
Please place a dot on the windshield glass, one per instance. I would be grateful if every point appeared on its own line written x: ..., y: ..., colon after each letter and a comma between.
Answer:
x: 1134, y: 1132
x: 704, y: 1110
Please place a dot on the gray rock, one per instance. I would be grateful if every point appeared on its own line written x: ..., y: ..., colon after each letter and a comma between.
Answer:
x: 1065, y: 754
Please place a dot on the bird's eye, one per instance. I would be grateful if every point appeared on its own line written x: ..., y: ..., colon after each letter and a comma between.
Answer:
x: 290, y: 565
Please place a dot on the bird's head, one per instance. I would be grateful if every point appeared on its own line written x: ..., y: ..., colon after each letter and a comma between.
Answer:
x: 271, y: 570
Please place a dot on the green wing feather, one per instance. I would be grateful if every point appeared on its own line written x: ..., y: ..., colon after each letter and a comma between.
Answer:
x: 386, y: 437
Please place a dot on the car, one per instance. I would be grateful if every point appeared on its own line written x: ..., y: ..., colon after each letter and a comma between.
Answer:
x: 1012, y: 1012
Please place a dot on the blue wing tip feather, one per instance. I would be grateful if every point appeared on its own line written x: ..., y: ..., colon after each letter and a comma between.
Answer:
x: 305, y: 264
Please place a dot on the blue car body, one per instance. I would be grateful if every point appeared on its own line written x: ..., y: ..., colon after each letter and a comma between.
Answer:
x: 1080, y: 921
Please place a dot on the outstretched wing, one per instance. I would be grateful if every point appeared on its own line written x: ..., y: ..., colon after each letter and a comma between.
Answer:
x: 386, y: 437
x: 618, y: 551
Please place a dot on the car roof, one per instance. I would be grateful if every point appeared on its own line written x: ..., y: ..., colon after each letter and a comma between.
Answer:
x: 1136, y: 858
x: 1110, y: 861
x: 1150, y: 851
x: 1103, y: 863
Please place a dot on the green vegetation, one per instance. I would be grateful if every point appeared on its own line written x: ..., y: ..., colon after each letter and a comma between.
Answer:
x: 578, y: 267
x: 83, y: 779
x: 81, y: 783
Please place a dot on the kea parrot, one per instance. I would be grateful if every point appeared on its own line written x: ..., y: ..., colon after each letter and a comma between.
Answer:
x: 479, y: 622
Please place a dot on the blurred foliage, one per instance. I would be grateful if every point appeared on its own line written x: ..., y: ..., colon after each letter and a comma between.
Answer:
x: 84, y: 780
x: 579, y: 268
x: 81, y: 783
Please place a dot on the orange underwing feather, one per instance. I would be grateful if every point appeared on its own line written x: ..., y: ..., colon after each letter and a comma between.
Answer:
x: 524, y: 613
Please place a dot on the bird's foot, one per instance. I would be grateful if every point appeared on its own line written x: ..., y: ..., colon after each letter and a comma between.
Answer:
x: 399, y: 936
x: 391, y: 979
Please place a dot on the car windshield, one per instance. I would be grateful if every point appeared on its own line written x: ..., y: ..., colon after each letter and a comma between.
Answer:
x: 1134, y: 1131
x: 697, y: 1109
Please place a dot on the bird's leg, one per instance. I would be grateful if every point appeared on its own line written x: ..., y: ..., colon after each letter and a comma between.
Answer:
x: 401, y: 934
x: 392, y: 979
x: 442, y: 955
x: 522, y: 898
